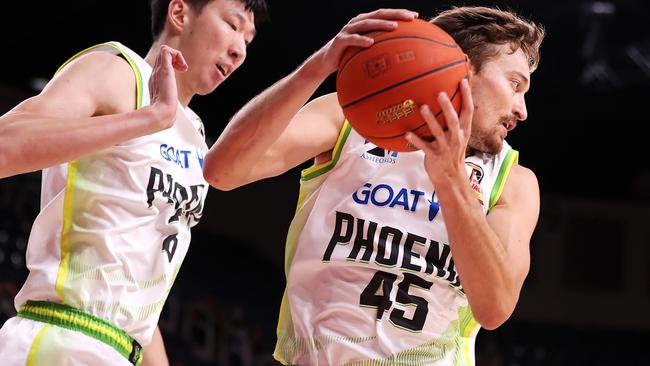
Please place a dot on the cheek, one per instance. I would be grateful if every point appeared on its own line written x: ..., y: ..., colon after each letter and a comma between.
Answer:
x: 482, y: 111
x: 491, y: 96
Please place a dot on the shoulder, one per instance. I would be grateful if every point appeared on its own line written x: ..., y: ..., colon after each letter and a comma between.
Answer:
x: 321, y: 119
x: 521, y: 174
x: 100, y: 64
x: 327, y: 106
x: 107, y: 79
x: 521, y: 185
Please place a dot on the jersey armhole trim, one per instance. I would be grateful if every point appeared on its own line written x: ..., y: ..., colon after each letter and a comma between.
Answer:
x: 134, y: 67
x: 318, y: 170
x: 511, y: 158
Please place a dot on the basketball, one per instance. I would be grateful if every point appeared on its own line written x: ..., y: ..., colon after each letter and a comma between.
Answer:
x: 380, y: 88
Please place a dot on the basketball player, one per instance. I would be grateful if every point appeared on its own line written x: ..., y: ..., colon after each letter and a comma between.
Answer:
x: 115, y: 219
x: 397, y: 258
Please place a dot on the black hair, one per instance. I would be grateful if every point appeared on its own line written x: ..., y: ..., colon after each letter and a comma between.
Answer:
x: 159, y: 12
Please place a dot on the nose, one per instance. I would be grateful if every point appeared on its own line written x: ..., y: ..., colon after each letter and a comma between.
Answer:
x: 519, y: 108
x: 237, y: 50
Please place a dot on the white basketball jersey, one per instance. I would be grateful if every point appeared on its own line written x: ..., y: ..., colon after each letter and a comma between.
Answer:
x: 370, y: 276
x: 114, y: 225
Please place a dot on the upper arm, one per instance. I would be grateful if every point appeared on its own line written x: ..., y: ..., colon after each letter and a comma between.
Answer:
x: 312, y: 131
x: 514, y: 218
x: 97, y: 83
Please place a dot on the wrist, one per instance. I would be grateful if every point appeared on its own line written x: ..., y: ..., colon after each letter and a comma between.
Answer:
x: 314, y: 69
x: 157, y: 117
x: 449, y: 180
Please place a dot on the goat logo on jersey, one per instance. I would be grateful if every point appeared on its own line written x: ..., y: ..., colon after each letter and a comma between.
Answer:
x: 384, y: 195
x: 177, y: 156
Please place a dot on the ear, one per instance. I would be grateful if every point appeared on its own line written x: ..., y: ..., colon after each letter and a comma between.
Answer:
x: 472, y: 67
x: 176, y: 16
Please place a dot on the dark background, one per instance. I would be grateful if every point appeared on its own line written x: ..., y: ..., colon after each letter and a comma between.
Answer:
x: 587, y: 298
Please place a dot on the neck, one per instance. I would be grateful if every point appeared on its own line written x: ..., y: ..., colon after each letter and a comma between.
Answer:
x: 185, y: 93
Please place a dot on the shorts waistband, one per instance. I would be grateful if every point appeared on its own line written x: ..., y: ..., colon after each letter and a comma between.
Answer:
x: 71, y: 318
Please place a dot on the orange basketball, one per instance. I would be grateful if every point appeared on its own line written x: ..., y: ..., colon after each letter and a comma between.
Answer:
x: 380, y: 88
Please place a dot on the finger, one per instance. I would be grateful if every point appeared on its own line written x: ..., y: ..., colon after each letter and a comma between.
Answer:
x: 178, y: 61
x: 158, y: 61
x: 394, y: 14
x: 354, y: 40
x: 467, y: 109
x: 434, y: 126
x: 416, y: 141
x: 451, y: 117
x: 165, y: 56
x: 370, y: 25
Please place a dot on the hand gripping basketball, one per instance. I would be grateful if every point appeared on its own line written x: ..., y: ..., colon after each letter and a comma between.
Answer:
x: 381, y: 88
x: 445, y: 155
x: 355, y: 34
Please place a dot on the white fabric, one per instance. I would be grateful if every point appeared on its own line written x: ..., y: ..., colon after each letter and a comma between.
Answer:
x: 330, y: 322
x: 57, y: 346
x: 123, y: 203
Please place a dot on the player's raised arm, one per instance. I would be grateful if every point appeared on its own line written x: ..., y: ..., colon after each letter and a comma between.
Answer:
x: 88, y: 106
x: 268, y: 136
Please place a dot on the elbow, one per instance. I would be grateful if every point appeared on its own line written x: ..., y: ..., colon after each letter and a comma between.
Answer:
x: 493, y: 316
x: 217, y: 175
x: 217, y: 181
x: 491, y: 323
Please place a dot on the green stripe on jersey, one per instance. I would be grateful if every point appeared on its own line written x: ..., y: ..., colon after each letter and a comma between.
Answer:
x: 318, y: 170
x: 512, y: 157
x: 134, y: 67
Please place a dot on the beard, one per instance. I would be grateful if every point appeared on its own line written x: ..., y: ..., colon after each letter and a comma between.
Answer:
x: 491, y: 140
x: 490, y: 144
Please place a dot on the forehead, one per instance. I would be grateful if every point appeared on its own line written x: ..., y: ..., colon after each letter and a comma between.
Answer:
x: 509, y: 61
x: 232, y: 7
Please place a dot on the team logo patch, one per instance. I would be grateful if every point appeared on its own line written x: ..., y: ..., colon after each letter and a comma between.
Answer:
x: 380, y: 156
x: 475, y: 178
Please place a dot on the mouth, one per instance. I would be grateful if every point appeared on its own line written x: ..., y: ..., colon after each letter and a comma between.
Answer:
x: 223, y: 70
x: 509, y: 125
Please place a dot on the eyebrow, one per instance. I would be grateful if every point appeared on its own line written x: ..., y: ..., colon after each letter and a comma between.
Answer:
x: 242, y: 18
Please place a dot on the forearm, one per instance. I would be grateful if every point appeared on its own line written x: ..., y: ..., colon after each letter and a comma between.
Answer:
x: 30, y: 141
x: 253, y: 130
x: 481, y: 259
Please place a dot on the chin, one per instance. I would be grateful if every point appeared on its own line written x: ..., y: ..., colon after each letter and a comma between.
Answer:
x: 496, y: 148
x: 208, y: 84
x: 207, y: 89
x: 490, y: 146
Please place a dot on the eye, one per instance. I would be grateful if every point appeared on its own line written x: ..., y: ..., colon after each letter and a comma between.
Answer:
x: 233, y: 26
x: 515, y: 84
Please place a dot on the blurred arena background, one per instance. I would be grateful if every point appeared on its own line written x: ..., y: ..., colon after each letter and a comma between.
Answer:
x: 587, y: 298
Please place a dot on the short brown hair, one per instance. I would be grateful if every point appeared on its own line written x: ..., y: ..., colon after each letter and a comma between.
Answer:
x: 480, y: 30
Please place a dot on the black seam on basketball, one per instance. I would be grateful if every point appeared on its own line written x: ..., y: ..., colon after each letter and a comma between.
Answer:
x: 392, y: 39
x: 453, y: 96
x: 451, y: 64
